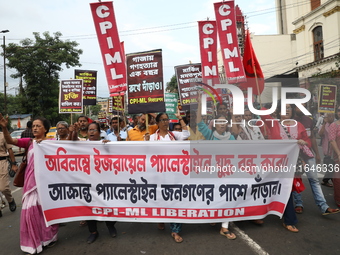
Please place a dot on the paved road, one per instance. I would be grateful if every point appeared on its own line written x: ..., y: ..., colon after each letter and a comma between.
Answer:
x: 318, y: 235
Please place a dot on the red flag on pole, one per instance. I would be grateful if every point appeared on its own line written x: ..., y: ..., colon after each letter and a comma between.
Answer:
x: 255, y: 78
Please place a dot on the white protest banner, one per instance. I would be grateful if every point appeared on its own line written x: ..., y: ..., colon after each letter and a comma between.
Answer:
x: 188, y: 182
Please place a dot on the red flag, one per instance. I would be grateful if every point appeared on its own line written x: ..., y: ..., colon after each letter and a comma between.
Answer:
x: 19, y: 124
x: 255, y: 78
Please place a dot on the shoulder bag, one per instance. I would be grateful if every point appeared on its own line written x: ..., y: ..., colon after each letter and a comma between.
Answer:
x: 19, y: 178
x: 298, y: 185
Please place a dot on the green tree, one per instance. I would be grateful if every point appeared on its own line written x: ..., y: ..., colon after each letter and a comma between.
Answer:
x: 95, y: 109
x: 38, y: 63
x: 172, y: 86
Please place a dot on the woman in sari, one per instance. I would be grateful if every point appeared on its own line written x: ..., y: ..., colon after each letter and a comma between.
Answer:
x: 163, y: 134
x: 34, y: 235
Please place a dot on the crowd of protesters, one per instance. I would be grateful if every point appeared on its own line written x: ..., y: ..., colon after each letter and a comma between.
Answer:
x: 34, y: 235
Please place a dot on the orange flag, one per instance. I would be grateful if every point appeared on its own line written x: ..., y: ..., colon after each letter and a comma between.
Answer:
x: 255, y: 78
x: 19, y: 124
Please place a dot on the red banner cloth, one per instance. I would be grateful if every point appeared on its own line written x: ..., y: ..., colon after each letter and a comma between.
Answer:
x: 255, y: 78
x: 227, y: 33
x: 110, y: 46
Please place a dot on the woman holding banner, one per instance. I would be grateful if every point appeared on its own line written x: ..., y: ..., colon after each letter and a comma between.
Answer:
x: 163, y: 134
x: 34, y: 235
x: 62, y: 130
x: 218, y: 132
x: 93, y: 134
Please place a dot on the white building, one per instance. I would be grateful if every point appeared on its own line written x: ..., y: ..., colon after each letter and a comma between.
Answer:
x: 307, y: 43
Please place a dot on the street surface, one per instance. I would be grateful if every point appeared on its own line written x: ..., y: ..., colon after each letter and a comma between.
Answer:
x: 318, y: 235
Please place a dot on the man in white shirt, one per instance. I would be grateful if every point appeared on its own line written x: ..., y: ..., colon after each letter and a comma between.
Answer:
x: 117, y: 134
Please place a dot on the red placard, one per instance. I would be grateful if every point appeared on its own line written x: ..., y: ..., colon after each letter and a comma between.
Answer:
x: 327, y: 98
x: 118, y: 104
x: 145, y: 82
x: 227, y: 33
x: 110, y: 46
x: 71, y: 96
x: 90, y: 85
x: 208, y: 49
x: 188, y: 78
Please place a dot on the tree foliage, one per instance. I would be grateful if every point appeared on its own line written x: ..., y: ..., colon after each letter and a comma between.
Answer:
x: 172, y: 86
x: 38, y: 63
x: 95, y: 109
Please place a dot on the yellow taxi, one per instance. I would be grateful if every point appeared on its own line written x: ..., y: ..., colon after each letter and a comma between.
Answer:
x: 52, y: 133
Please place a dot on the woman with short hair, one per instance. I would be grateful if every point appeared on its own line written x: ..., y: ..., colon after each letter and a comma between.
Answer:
x: 34, y: 234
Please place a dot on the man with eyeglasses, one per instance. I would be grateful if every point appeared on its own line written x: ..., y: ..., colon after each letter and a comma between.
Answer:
x: 138, y: 132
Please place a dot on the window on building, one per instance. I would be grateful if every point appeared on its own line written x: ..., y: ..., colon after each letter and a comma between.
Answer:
x: 315, y: 4
x: 318, y: 43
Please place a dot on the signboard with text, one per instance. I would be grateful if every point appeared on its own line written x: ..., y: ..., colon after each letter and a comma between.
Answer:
x: 171, y: 103
x: 145, y: 82
x: 71, y: 96
x: 327, y: 98
x: 187, y: 78
x: 90, y: 85
x: 118, y: 104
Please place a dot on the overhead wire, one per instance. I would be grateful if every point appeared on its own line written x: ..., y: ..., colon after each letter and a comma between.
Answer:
x: 122, y: 33
x: 185, y: 25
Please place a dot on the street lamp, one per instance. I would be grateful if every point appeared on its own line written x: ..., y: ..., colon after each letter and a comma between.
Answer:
x: 4, y: 46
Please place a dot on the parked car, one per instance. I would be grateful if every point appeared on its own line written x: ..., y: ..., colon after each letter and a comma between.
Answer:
x: 52, y: 133
x: 17, y: 134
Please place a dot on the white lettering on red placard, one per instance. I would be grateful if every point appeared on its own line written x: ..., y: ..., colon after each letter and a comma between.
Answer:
x: 208, y: 48
x: 226, y: 28
x: 110, y: 46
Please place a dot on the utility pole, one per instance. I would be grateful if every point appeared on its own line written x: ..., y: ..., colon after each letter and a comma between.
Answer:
x: 4, y: 47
